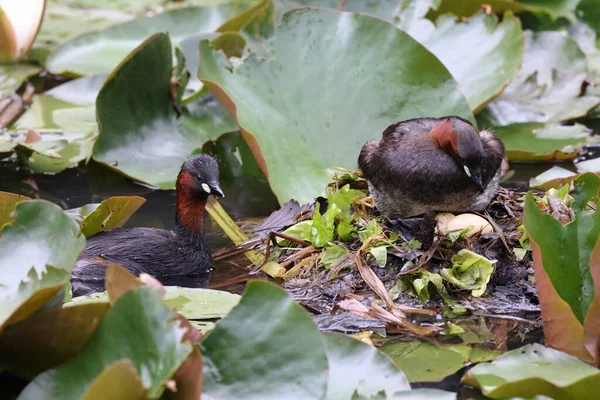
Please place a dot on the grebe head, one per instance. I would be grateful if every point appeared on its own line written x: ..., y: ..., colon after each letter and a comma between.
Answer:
x: 200, y: 176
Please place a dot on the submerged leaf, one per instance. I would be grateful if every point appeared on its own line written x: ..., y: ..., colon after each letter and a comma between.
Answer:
x: 469, y: 271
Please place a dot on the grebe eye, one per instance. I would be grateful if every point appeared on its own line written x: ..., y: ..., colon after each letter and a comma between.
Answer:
x: 206, y: 188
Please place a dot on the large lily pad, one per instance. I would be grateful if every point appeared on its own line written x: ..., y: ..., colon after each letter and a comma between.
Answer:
x: 267, y: 345
x: 139, y: 328
x: 471, y: 49
x: 37, y: 252
x: 535, y: 370
x: 538, y: 142
x: 293, y: 109
x: 100, y: 52
x: 140, y: 134
x: 547, y: 88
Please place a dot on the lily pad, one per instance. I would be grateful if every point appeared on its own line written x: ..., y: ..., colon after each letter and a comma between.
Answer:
x: 547, y: 88
x: 100, y: 52
x: 591, y: 165
x: 192, y: 303
x: 138, y: 328
x: 8, y: 202
x: 37, y: 252
x: 552, y: 178
x: 48, y: 339
x: 13, y: 75
x: 111, y: 213
x: 425, y: 362
x: 535, y: 370
x: 355, y: 366
x: 466, y: 8
x: 141, y: 135
x: 539, y: 142
x: 248, y: 353
x: 310, y: 100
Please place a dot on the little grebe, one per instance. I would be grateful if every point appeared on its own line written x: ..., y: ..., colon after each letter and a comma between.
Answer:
x: 158, y: 252
x: 432, y: 164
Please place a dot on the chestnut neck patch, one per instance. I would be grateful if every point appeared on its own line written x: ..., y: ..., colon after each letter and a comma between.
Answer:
x: 190, y: 208
x: 444, y: 136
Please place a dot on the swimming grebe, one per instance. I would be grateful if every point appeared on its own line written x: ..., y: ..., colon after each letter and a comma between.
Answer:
x: 158, y: 252
x: 432, y: 164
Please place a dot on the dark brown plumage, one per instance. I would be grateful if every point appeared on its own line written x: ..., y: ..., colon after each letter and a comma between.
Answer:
x: 158, y: 252
x: 432, y: 164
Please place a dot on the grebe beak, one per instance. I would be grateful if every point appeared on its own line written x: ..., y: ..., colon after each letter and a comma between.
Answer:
x: 215, y: 189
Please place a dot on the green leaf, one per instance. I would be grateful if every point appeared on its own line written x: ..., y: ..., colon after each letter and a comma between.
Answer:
x: 248, y: 353
x: 420, y: 282
x: 286, y: 94
x: 139, y: 328
x: 13, y: 75
x: 380, y: 255
x: 111, y: 213
x: 332, y: 255
x: 141, y: 135
x: 547, y: 88
x: 197, y: 303
x: 469, y: 271
x: 119, y: 381
x: 48, y: 339
x: 534, y: 370
x: 357, y: 366
x: 425, y: 362
x: 301, y: 230
x: 323, y: 226
x: 344, y: 197
x: 100, y: 52
x: 533, y: 141
x: 566, y: 249
x: 37, y: 252
x: 472, y: 48
x: 8, y: 202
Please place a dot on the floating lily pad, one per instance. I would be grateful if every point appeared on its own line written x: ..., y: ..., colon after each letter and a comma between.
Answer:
x: 484, y: 45
x: 425, y: 362
x: 310, y: 100
x: 8, y: 202
x: 592, y: 165
x: 138, y: 328
x: 100, y: 52
x: 535, y: 370
x: 552, y: 178
x: 248, y: 353
x: 540, y: 142
x: 111, y: 213
x: 13, y: 75
x: 37, y: 252
x: 547, y: 88
x: 141, y: 135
